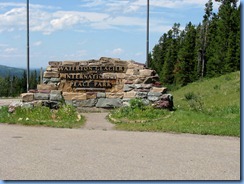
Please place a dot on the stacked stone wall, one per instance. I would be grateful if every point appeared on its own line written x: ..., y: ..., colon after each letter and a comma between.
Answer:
x: 103, y: 83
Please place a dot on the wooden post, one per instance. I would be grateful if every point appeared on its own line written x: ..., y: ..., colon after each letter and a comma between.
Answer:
x: 41, y: 81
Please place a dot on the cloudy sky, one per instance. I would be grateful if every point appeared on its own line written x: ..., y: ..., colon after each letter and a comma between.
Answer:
x: 62, y: 30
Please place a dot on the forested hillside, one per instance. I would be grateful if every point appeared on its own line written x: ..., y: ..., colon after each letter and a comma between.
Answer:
x: 6, y: 71
x: 13, y: 84
x: 209, y: 49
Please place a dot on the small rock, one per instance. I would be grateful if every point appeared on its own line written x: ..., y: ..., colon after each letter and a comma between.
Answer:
x: 128, y: 87
x: 13, y: 106
x: 138, y: 86
x: 151, y: 80
x: 101, y: 95
x: 157, y: 94
x: 153, y: 98
x: 55, y: 80
x: 141, y: 94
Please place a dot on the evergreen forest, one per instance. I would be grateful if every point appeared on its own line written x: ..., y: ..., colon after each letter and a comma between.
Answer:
x: 14, y: 85
x: 207, y: 50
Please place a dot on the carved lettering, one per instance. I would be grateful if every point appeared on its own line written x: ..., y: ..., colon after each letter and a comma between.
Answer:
x: 76, y: 69
x: 91, y: 84
x: 91, y: 76
x: 80, y: 76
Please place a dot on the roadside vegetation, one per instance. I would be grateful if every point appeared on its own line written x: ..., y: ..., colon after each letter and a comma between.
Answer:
x: 65, y: 117
x: 208, y: 107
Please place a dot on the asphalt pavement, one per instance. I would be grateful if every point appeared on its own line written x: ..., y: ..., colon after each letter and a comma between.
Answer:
x: 39, y: 153
x: 97, y: 151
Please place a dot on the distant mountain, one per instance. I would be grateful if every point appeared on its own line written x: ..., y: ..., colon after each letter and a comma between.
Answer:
x: 12, y: 71
x: 6, y: 70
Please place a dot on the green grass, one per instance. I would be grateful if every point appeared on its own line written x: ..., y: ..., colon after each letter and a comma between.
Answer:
x: 208, y: 107
x: 65, y: 117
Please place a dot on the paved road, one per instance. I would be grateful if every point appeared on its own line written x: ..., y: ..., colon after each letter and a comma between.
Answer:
x: 98, y: 152
x: 38, y: 153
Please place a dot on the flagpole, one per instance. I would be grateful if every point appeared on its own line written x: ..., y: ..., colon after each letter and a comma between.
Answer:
x: 147, y: 52
x: 28, y: 48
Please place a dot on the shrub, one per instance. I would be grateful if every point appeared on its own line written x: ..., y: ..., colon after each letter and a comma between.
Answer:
x: 190, y: 96
x: 217, y: 87
x: 195, y: 101
x: 137, y: 103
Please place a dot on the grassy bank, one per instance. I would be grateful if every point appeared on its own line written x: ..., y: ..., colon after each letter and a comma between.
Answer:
x: 65, y: 117
x: 210, y: 106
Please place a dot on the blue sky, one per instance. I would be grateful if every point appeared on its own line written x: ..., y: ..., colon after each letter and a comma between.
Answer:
x: 62, y: 30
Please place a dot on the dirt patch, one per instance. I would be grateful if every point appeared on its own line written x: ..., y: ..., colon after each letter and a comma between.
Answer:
x: 97, y: 121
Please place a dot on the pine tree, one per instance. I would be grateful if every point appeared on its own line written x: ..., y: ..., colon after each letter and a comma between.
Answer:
x: 24, y: 82
x: 158, y: 54
x: 33, y: 80
x: 170, y: 59
x: 234, y: 41
x: 213, y: 66
x: 157, y: 58
x: 187, y: 64
x: 224, y: 47
x: 204, y: 35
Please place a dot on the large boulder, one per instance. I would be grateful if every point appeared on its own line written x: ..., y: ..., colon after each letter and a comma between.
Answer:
x: 56, y: 95
x: 13, y: 106
x: 51, y: 74
x: 41, y: 96
x: 165, y: 102
x: 27, y: 97
x: 47, y: 87
x: 109, y: 103
x: 86, y: 103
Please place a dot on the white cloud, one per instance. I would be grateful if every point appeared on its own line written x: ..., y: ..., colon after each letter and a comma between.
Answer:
x: 117, y: 51
x: 38, y: 43
x: 65, y: 20
x: 12, y: 19
x: 127, y: 6
x: 49, y: 22
x: 10, y: 50
x: 36, y: 6
x: 94, y: 3
x: 3, y: 45
x: 111, y: 14
x: 46, y: 22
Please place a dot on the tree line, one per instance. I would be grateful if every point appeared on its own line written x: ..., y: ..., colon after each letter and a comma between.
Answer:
x: 209, y: 49
x: 12, y: 86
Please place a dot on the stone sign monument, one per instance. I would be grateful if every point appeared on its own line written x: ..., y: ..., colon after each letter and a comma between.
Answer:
x: 103, y: 83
